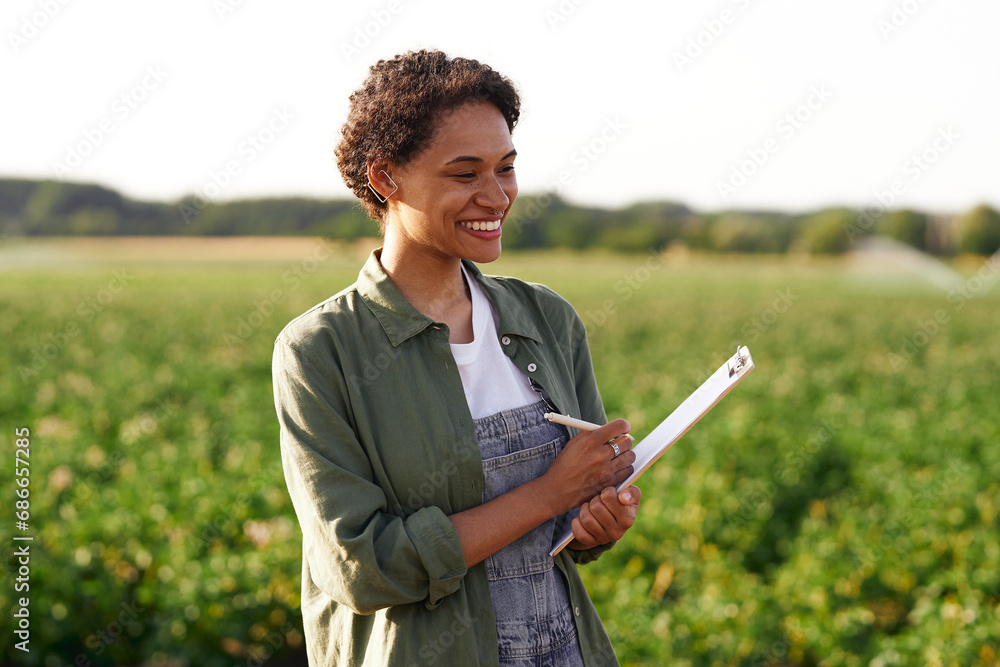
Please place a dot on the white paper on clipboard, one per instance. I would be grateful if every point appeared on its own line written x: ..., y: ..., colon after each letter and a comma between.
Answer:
x: 687, y: 414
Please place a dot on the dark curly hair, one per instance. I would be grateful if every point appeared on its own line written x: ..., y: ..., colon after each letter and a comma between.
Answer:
x: 395, y: 114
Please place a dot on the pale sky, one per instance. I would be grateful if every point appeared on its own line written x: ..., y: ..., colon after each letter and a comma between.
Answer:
x: 724, y: 104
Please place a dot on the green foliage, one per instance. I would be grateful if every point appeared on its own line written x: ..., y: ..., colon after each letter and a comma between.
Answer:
x: 698, y: 234
x: 840, y: 507
x: 294, y: 216
x: 981, y: 231
x: 536, y: 221
x: 827, y: 232
x: 14, y: 195
x: 526, y: 224
x: 569, y: 228
x: 645, y: 226
x: 746, y: 233
x: 634, y: 238
x: 907, y: 226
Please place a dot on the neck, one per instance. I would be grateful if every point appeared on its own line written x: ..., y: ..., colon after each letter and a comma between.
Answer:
x: 433, y: 285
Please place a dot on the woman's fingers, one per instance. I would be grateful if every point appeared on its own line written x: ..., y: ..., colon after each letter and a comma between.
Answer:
x: 619, y: 465
x: 611, y: 431
x: 618, y: 446
x: 602, y: 519
x: 624, y: 442
x: 630, y: 496
x: 607, y: 516
x: 588, y: 463
x: 581, y: 534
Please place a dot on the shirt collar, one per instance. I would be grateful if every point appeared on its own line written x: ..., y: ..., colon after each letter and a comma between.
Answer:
x: 510, y: 307
x: 401, y: 321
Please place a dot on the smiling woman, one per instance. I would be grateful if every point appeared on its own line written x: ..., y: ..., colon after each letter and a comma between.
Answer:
x: 457, y: 193
x: 429, y: 494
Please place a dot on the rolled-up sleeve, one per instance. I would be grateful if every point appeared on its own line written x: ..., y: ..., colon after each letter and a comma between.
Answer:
x: 357, y: 552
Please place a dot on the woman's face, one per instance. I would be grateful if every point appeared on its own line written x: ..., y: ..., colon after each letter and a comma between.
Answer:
x: 453, y: 186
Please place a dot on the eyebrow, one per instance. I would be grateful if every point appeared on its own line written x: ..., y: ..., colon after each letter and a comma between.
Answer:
x: 471, y: 158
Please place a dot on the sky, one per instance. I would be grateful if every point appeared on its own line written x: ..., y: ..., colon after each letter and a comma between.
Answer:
x: 750, y: 104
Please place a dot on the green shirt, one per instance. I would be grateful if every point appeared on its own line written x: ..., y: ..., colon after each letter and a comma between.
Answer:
x: 379, y: 447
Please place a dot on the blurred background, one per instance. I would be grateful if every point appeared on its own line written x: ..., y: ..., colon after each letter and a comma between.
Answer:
x: 815, y: 182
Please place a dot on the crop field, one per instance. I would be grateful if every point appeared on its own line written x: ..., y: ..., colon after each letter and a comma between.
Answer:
x: 839, y: 507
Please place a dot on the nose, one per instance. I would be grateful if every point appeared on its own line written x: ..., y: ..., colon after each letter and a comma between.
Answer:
x: 493, y: 196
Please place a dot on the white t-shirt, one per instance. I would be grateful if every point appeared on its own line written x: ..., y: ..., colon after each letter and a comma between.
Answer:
x: 491, y: 380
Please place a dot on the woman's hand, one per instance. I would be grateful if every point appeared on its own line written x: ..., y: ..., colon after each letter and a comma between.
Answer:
x: 605, y: 518
x: 588, y: 464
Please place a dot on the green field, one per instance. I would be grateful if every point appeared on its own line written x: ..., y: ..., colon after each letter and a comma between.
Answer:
x: 839, y: 507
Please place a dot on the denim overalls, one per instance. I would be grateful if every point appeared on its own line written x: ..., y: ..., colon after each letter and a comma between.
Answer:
x: 535, y: 624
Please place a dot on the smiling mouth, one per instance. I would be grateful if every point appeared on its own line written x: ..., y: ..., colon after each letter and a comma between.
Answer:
x: 484, y: 226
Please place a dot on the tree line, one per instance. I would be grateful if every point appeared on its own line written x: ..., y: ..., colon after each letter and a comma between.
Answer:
x: 60, y: 208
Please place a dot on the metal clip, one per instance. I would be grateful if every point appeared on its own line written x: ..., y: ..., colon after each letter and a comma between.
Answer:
x: 541, y: 392
x: 735, y: 366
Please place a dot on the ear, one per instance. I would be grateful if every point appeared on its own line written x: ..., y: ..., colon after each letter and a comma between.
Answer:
x: 379, y: 180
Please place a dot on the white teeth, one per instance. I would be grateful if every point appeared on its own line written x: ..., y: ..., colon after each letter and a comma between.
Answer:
x: 482, y: 226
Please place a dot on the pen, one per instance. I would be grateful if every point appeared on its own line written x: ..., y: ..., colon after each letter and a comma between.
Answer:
x: 578, y: 424
x: 571, y: 421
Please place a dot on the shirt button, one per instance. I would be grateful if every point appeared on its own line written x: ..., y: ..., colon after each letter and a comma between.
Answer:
x: 532, y: 368
x: 576, y: 610
x: 505, y: 340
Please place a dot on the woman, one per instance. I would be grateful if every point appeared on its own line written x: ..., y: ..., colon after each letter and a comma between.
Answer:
x: 427, y: 484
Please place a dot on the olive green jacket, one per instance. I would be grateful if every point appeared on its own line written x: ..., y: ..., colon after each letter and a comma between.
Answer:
x: 378, y: 448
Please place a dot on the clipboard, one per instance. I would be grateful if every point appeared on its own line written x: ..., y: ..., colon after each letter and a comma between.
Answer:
x: 687, y: 414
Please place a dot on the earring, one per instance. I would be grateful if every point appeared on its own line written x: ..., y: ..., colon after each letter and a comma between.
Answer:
x: 378, y: 195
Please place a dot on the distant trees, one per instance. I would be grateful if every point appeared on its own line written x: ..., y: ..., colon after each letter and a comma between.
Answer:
x: 828, y: 232
x: 537, y: 221
x: 750, y: 233
x: 980, y: 231
x: 61, y: 208
x: 907, y: 226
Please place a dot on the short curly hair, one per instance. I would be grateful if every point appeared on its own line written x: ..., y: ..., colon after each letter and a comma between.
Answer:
x: 395, y: 114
